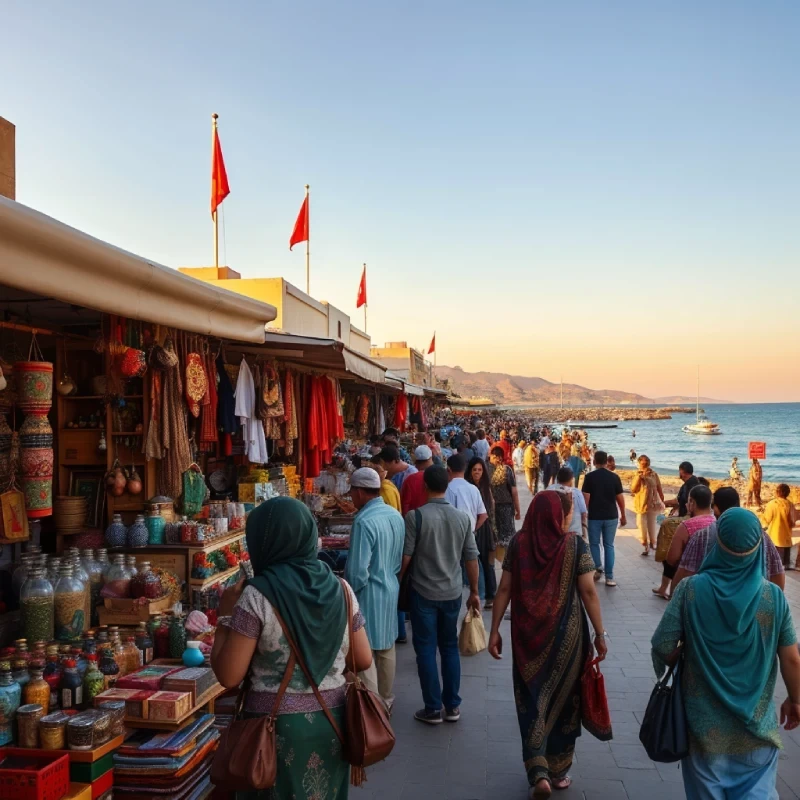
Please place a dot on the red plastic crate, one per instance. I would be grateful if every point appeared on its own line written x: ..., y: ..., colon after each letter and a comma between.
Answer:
x: 45, y: 778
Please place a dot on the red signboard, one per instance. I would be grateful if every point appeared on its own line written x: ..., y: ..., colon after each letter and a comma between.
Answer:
x: 757, y: 450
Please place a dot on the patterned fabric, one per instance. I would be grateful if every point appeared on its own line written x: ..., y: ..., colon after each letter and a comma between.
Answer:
x: 254, y: 617
x: 504, y: 523
x: 702, y: 541
x: 549, y: 637
x: 713, y: 728
x: 694, y: 524
x: 310, y: 761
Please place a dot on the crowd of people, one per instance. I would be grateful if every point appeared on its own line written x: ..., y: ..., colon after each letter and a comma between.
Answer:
x: 441, y: 515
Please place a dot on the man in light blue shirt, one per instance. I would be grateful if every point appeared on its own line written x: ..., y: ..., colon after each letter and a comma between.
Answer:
x: 376, y: 554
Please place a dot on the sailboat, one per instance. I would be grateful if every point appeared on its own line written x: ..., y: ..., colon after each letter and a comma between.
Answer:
x: 703, y: 426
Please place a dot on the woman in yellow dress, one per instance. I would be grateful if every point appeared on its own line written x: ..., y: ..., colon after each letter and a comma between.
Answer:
x: 780, y: 516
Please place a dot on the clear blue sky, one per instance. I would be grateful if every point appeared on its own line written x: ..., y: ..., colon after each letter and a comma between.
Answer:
x: 509, y: 171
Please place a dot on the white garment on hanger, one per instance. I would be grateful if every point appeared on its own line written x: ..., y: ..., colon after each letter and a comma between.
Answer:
x: 255, y: 441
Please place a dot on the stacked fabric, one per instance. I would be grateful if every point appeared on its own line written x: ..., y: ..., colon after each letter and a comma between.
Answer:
x: 167, y: 766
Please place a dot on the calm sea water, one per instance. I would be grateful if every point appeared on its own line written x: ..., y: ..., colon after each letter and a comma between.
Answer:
x: 777, y: 424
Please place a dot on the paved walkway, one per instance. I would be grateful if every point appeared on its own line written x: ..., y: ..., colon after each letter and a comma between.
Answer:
x: 480, y: 757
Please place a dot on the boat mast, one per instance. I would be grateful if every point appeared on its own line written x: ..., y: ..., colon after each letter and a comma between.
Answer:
x: 698, y: 393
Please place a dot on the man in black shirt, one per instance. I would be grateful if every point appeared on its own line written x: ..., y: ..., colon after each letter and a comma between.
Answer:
x: 602, y: 490
x: 690, y: 480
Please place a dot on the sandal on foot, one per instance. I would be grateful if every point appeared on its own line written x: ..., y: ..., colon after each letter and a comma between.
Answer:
x: 645, y: 553
x: 541, y: 790
x: 611, y: 582
x: 562, y: 783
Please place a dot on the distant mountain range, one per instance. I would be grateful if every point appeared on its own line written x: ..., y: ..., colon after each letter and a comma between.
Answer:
x: 507, y: 389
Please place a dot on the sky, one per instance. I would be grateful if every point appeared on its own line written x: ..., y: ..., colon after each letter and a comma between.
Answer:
x: 604, y: 191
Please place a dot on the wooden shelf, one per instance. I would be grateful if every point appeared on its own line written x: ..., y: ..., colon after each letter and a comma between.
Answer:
x: 82, y: 397
x: 90, y: 756
x: 163, y: 725
x: 204, y: 583
x: 230, y: 538
x: 127, y: 433
x: 80, y: 430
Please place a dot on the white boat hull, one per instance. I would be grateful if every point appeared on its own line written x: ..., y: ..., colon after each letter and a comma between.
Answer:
x: 709, y: 432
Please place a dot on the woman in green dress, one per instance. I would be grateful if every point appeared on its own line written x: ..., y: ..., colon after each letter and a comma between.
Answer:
x: 289, y: 579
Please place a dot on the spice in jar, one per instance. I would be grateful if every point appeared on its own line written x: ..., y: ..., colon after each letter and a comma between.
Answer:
x: 110, y: 670
x: 116, y: 709
x: 69, y: 614
x: 52, y: 731
x: 37, y: 690
x: 28, y: 717
x: 93, y: 681
x: 36, y: 615
x: 71, y: 688
x: 101, y: 726
x: 80, y: 732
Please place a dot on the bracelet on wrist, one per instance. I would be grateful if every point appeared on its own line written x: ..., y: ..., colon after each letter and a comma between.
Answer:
x: 600, y: 635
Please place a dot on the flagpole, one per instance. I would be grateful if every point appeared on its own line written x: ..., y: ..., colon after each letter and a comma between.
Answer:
x: 216, y: 220
x: 365, y: 302
x: 308, y: 244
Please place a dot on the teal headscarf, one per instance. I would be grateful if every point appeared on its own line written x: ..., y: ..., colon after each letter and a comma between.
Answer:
x: 282, y: 540
x: 734, y: 652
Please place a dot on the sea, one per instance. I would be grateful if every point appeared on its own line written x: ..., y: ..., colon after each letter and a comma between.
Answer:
x: 777, y: 424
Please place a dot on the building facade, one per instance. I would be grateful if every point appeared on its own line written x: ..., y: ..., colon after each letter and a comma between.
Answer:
x: 405, y: 362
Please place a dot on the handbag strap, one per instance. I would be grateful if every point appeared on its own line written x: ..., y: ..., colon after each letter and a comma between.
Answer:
x: 247, y: 684
x: 296, y: 654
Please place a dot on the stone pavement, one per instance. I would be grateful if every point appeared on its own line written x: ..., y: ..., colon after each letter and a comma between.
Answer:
x: 480, y: 757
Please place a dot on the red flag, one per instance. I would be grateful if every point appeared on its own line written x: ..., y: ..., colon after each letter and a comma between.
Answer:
x: 219, y: 177
x: 432, y: 348
x: 300, y: 232
x: 361, y: 300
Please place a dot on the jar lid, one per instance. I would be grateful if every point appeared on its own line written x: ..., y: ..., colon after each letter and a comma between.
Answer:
x: 30, y: 708
x: 54, y: 719
x: 113, y: 705
x: 83, y: 720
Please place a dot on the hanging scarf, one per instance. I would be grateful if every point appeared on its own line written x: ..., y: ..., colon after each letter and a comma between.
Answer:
x: 734, y: 652
x: 282, y: 541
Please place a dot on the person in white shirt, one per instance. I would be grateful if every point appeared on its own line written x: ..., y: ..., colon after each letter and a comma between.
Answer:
x: 481, y: 446
x: 462, y: 494
x: 580, y: 517
x: 518, y: 456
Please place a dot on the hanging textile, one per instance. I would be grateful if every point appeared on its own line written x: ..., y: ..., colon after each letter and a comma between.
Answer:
x: 174, y: 437
x: 208, y: 427
x: 401, y: 412
x: 272, y: 398
x: 289, y: 412
x: 252, y: 428
x: 196, y: 383
x: 362, y: 416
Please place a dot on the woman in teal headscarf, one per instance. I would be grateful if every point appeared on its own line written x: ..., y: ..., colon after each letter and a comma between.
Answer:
x: 289, y: 579
x: 733, y: 623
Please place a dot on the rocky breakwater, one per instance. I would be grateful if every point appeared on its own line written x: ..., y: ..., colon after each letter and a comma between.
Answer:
x: 602, y: 414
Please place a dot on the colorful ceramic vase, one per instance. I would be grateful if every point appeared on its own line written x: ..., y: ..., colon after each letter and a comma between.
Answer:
x: 137, y: 533
x: 116, y: 532
x: 34, y: 381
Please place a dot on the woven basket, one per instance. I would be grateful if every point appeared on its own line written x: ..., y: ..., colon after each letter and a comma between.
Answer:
x: 665, y: 534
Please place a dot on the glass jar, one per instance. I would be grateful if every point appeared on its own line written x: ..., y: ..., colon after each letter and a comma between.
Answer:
x: 116, y: 532
x: 130, y: 563
x: 69, y: 605
x: 95, y: 570
x: 37, y: 690
x: 146, y: 583
x: 53, y: 567
x: 133, y: 656
x: 161, y: 639
x: 144, y: 643
x: 101, y: 726
x: 52, y: 675
x: 155, y: 527
x: 89, y: 644
x: 10, y: 698
x: 137, y: 533
x: 21, y: 646
x: 116, y: 710
x: 28, y: 717
x: 19, y: 672
x: 80, y: 732
x: 20, y: 576
x: 79, y: 572
x: 102, y: 560
x: 118, y: 579
x: 36, y: 603
x: 71, y: 687
x: 52, y: 731
x: 93, y: 682
x: 109, y: 668
x: 177, y: 637
x: 120, y: 656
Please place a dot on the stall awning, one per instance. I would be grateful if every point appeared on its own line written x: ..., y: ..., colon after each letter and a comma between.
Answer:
x: 41, y: 255
x: 325, y: 354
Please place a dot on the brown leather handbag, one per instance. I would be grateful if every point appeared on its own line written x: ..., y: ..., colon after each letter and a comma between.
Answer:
x: 246, y: 757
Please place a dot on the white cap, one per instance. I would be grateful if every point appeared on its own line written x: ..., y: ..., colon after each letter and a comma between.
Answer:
x: 423, y: 453
x: 365, y: 478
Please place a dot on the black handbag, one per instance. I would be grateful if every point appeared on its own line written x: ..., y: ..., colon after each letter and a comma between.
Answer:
x: 664, y: 732
x: 404, y: 597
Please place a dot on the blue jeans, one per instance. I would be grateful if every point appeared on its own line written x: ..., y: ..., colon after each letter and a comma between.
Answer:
x: 401, y: 624
x: 481, y: 579
x: 605, y: 529
x: 435, y: 623
x: 751, y: 775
